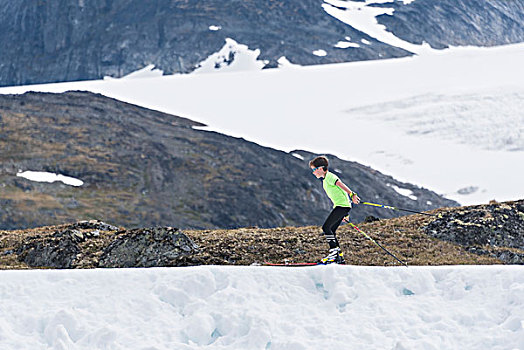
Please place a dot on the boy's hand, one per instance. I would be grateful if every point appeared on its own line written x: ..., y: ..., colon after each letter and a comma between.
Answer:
x: 355, y: 199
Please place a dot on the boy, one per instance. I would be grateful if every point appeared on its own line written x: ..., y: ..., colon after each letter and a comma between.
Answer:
x: 338, y: 192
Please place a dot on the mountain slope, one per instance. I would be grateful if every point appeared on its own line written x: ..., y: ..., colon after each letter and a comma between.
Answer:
x: 50, y: 41
x: 145, y: 168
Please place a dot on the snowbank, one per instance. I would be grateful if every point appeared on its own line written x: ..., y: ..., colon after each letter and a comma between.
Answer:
x: 264, y: 308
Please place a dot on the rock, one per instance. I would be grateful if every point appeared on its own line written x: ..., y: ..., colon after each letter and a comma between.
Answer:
x: 95, y: 224
x: 483, y: 226
x: 58, y: 251
x: 152, y: 247
x: 371, y: 218
x: 77, y: 236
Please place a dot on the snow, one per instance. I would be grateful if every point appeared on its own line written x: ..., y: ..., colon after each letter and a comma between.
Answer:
x: 284, y: 63
x: 244, y: 59
x: 297, y: 156
x: 42, y: 176
x: 272, y: 308
x: 346, y: 44
x: 445, y: 120
x: 320, y: 53
x: 362, y: 17
x: 214, y: 28
x: 403, y: 191
x: 146, y: 72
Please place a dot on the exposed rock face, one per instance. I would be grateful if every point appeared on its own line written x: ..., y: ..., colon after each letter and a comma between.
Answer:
x: 145, y: 168
x: 96, y: 244
x: 58, y: 251
x: 494, y: 225
x: 64, y: 40
x: 447, y: 23
x: 161, y: 246
x: 61, y: 249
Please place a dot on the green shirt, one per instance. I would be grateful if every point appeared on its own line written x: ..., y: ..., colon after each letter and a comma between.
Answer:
x: 335, y: 193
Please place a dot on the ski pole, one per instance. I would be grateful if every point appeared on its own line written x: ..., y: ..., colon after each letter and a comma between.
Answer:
x: 372, y: 240
x: 395, y: 208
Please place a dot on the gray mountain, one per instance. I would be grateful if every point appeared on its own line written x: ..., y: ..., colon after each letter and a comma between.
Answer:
x: 145, y: 168
x: 66, y: 40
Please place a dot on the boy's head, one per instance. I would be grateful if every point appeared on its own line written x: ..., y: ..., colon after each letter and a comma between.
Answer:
x: 319, y: 166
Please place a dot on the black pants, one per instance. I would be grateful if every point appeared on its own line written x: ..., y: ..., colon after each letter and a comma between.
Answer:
x: 332, y: 223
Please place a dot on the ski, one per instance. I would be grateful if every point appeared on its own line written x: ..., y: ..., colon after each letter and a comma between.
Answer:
x: 290, y: 264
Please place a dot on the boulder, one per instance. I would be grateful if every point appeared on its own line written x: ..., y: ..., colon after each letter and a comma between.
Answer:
x: 57, y: 251
x: 150, y: 247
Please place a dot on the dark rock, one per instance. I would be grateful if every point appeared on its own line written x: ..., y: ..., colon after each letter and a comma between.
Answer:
x: 371, y: 218
x: 152, y: 247
x: 478, y: 227
x: 58, y: 251
x: 95, y: 224
x: 447, y: 23
x: 8, y: 252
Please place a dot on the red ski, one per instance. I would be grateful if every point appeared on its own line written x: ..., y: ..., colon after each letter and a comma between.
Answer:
x: 289, y: 264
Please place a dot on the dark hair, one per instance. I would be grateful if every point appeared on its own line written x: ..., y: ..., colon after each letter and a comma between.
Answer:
x: 320, y: 161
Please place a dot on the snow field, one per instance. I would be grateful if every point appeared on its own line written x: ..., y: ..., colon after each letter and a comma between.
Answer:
x: 216, y: 307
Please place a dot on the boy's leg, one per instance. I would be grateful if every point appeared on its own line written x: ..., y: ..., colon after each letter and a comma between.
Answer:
x: 332, y: 223
x: 343, y: 215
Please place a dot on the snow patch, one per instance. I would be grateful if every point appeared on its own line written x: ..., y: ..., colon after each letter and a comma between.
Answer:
x: 41, y: 176
x: 215, y: 28
x: 362, y: 17
x: 233, y: 57
x: 403, y: 191
x: 320, y: 53
x: 296, y: 155
x: 346, y: 44
x: 283, y: 62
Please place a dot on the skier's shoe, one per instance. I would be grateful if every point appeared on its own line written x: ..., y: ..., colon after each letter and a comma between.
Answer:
x: 335, y: 256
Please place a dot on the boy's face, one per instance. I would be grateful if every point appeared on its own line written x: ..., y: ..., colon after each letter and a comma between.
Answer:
x: 318, y: 172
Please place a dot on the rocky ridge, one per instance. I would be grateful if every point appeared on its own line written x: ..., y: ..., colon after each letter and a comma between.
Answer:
x: 450, y: 237
x: 495, y: 229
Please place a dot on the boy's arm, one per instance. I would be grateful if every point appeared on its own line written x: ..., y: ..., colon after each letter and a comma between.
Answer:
x: 346, y: 189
